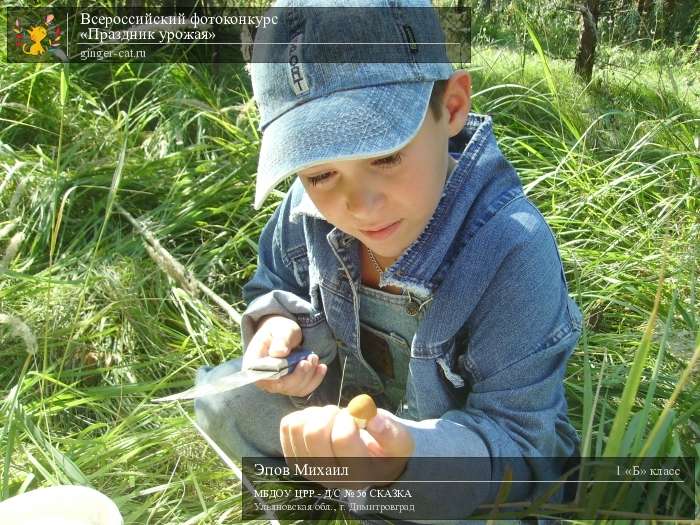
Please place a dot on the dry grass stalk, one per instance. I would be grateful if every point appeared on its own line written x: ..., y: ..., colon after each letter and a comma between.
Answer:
x: 19, y: 190
x: 7, y: 229
x: 175, y: 270
x: 19, y: 329
x: 11, y: 251
x: 10, y: 170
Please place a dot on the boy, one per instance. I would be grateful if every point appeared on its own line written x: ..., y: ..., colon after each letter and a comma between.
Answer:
x: 407, y: 257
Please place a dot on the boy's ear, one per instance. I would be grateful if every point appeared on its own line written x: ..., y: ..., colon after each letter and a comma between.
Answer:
x: 457, y: 100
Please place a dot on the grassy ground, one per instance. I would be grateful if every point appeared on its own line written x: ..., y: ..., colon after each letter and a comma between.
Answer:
x: 614, y: 166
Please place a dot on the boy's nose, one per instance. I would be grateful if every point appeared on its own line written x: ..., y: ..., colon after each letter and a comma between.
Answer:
x: 363, y: 201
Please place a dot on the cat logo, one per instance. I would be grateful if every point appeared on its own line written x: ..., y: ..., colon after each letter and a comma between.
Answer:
x: 38, y: 39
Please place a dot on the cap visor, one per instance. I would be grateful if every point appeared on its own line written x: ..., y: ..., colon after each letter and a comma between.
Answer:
x: 356, y: 123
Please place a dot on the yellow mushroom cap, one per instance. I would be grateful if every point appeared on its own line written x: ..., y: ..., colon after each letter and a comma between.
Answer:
x: 362, y: 408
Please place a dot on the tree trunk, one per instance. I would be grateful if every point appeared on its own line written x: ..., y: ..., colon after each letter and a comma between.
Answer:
x: 588, y: 39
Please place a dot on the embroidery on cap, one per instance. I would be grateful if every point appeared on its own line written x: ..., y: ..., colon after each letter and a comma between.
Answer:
x: 408, y: 31
x: 296, y: 68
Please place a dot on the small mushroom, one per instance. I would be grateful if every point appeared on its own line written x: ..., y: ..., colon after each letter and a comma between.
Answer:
x: 362, y: 408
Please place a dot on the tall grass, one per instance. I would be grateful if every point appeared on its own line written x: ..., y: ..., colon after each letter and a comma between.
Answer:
x: 612, y: 165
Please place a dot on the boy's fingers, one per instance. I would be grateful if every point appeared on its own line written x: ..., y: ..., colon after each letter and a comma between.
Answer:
x: 287, y: 335
x: 278, y: 349
x: 287, y: 423
x: 315, y: 380
x: 294, y: 384
x: 301, y: 383
x: 392, y: 438
x: 279, y: 345
x: 276, y: 336
x: 316, y: 433
x: 314, y: 373
x: 258, y: 346
x: 345, y: 437
x: 306, y: 378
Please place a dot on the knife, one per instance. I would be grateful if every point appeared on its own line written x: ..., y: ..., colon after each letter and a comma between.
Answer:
x: 261, y: 368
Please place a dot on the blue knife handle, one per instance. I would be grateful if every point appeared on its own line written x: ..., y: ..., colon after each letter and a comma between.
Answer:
x: 295, y: 357
x: 284, y: 365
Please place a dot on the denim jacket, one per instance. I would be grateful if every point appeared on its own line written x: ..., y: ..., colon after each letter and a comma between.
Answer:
x: 488, y: 359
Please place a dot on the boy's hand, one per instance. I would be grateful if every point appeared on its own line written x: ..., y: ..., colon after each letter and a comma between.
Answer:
x: 331, y: 432
x: 277, y: 336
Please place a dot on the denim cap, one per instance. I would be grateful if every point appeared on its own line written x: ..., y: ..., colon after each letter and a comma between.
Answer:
x: 313, y: 110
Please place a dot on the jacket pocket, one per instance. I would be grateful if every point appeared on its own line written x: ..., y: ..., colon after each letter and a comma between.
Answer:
x: 356, y: 375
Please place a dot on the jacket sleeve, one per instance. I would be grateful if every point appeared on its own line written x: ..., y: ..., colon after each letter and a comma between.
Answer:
x: 520, y: 335
x: 280, y: 287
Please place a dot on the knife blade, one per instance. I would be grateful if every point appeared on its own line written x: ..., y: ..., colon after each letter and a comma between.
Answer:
x: 262, y: 368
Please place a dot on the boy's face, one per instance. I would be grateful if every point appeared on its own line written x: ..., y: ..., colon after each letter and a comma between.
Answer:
x: 386, y: 202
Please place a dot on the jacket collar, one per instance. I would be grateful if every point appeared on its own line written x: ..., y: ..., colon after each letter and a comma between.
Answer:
x: 481, y: 177
x: 305, y: 207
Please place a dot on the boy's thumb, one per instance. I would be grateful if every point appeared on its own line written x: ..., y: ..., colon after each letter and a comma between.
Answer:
x: 280, y: 346
x: 394, y: 438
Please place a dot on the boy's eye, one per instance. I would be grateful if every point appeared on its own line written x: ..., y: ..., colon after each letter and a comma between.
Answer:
x: 388, y: 161
x: 318, y: 179
x: 391, y: 160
